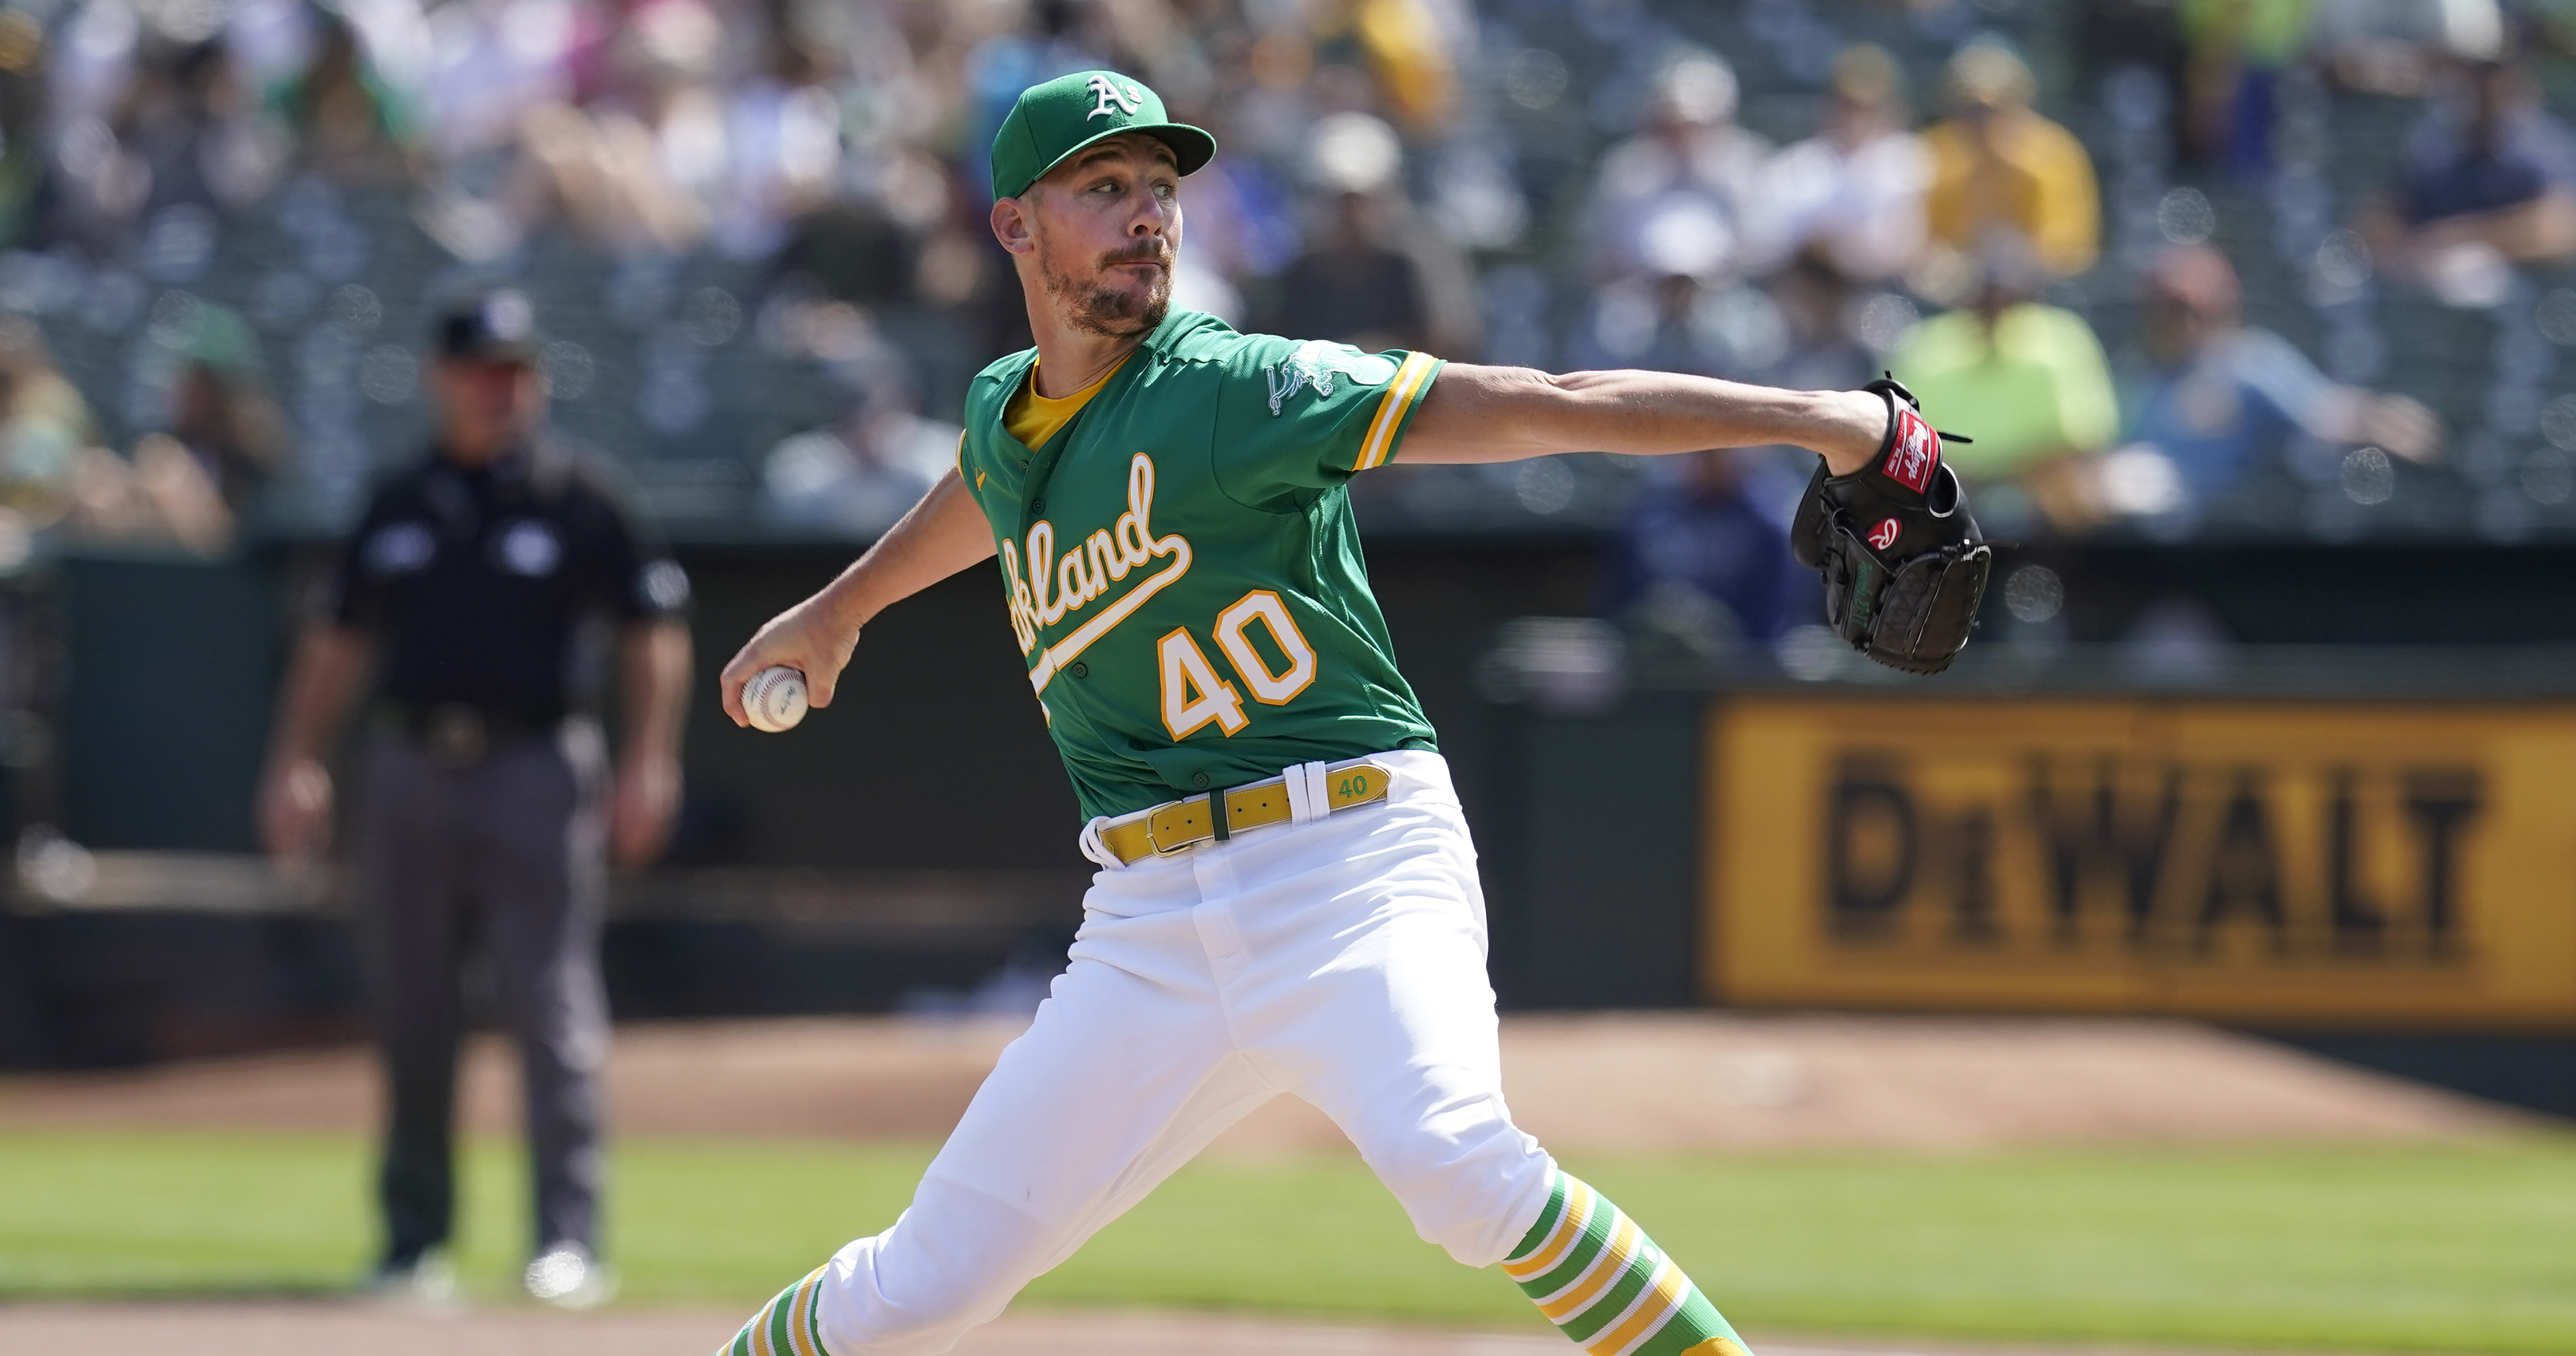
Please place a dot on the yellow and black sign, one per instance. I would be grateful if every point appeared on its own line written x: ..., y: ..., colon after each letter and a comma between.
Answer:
x: 2298, y: 862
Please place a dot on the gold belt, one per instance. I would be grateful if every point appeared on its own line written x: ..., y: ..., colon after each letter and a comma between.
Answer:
x: 1191, y: 820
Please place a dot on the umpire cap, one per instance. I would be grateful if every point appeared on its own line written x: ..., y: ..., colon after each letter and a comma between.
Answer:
x: 498, y: 326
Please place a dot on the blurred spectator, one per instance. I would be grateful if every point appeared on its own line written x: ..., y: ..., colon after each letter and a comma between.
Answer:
x: 2027, y: 381
x: 1683, y: 313
x: 1700, y: 563
x: 23, y: 137
x: 1402, y: 46
x: 159, y: 498
x: 195, y: 132
x: 1690, y: 168
x: 889, y: 248
x: 96, y: 187
x: 2213, y: 396
x: 820, y: 156
x: 220, y: 412
x: 2116, y: 39
x: 784, y: 129
x: 44, y: 427
x: 189, y: 483
x: 1997, y: 165
x: 856, y: 476
x: 492, y: 63
x: 2238, y: 50
x: 2487, y: 180
x: 2397, y: 47
x: 862, y: 472
x: 1816, y: 305
x: 1376, y: 275
x: 642, y: 168
x: 1854, y: 193
x: 349, y: 125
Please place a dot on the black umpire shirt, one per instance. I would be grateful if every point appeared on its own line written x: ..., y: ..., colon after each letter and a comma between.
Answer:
x: 481, y: 584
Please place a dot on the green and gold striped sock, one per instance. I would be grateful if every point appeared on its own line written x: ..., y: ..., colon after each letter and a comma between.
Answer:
x: 1597, y: 1276
x: 786, y: 1326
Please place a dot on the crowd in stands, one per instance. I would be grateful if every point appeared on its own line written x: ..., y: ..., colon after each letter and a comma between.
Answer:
x: 2145, y: 251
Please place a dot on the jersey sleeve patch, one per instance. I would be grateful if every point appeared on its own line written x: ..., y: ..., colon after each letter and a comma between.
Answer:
x: 1319, y: 366
x: 1295, y: 417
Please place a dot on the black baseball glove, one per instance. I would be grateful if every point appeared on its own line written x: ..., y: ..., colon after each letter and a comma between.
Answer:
x: 1904, y: 564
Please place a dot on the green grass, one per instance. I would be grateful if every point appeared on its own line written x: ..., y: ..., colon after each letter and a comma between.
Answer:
x: 2459, y: 1249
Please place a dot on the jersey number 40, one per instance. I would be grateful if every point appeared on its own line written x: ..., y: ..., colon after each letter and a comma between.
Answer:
x: 1195, y: 695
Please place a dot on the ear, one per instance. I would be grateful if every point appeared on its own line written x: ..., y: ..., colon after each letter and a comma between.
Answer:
x: 1015, y: 223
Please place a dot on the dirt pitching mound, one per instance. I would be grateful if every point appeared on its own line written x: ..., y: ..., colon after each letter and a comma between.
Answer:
x: 1621, y: 1082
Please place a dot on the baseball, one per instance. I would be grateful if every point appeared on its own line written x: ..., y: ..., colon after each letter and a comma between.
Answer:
x: 774, y: 698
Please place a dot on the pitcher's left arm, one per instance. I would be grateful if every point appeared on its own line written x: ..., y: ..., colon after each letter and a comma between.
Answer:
x: 1487, y: 414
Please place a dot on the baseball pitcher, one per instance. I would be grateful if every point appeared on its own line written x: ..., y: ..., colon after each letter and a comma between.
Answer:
x: 1287, y: 898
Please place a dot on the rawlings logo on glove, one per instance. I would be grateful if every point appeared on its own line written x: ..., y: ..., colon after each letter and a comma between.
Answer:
x: 1913, y: 451
x: 1905, y: 588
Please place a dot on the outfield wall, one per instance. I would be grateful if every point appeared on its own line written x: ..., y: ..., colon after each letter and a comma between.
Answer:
x: 919, y: 835
x: 2326, y: 863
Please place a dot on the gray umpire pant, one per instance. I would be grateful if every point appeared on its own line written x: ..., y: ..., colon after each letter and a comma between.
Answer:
x: 505, y: 857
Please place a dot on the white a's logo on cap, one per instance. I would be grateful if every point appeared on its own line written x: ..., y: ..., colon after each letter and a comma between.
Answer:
x: 1130, y: 98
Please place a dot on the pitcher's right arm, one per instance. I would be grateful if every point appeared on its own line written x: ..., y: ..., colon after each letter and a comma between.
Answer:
x: 941, y: 535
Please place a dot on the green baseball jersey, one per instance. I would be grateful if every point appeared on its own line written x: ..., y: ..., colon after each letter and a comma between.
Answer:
x: 1180, y: 563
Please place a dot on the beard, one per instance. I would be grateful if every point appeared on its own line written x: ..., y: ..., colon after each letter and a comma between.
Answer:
x: 1092, y: 305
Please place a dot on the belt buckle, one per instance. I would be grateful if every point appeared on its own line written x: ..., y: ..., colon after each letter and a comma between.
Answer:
x: 1156, y: 844
x: 455, y: 736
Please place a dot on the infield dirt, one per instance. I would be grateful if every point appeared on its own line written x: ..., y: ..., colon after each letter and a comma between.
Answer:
x: 1630, y: 1082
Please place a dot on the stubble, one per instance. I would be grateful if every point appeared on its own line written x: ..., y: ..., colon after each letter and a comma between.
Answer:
x: 1089, y: 305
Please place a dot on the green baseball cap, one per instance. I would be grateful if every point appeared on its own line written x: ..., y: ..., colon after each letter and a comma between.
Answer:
x: 1056, y: 119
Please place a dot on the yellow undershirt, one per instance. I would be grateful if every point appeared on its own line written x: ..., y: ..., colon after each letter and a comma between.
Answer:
x: 1033, y: 418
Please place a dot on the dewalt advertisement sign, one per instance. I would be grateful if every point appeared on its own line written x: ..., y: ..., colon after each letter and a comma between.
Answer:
x: 2308, y: 863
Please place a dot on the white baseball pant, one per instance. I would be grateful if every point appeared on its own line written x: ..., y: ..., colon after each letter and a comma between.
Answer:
x: 1341, y: 959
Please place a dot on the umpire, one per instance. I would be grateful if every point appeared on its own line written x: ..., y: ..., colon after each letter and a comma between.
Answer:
x: 484, y: 587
